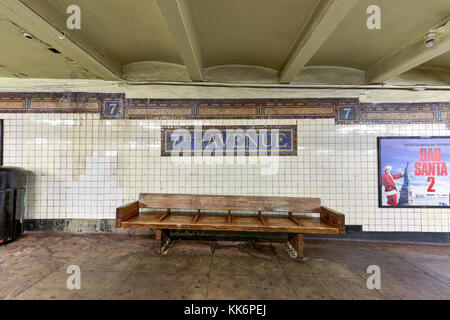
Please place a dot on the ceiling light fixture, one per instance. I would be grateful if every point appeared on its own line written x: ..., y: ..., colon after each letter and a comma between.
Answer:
x: 430, y: 38
x: 27, y: 35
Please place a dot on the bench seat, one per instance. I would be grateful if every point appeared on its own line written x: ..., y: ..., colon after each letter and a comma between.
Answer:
x: 240, y: 222
x: 200, y: 212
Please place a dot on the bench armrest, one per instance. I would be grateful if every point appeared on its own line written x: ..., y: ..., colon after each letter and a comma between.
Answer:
x: 125, y: 212
x: 334, y: 218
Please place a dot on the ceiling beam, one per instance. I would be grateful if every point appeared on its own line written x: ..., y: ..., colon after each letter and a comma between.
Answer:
x: 45, y: 24
x: 407, y: 57
x: 179, y: 19
x: 325, y: 18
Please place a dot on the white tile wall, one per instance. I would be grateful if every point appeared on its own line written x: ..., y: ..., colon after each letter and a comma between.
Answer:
x: 84, y: 167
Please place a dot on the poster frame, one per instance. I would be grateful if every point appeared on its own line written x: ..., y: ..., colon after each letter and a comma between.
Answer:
x: 380, y: 193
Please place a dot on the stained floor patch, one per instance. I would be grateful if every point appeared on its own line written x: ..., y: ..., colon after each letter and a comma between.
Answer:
x: 115, y: 266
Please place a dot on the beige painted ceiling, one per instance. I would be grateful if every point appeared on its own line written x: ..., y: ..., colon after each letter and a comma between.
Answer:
x: 353, y: 45
x: 261, y: 41
x: 24, y: 58
x: 249, y: 32
x: 442, y: 61
x: 132, y: 30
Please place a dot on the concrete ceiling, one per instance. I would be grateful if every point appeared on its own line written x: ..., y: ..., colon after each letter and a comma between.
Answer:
x: 442, y: 61
x: 353, y: 45
x: 249, y: 32
x: 132, y: 30
x: 261, y: 41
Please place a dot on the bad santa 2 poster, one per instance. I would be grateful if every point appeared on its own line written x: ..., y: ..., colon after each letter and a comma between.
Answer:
x: 413, y: 171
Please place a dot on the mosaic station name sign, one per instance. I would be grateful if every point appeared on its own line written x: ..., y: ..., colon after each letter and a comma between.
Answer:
x: 229, y: 141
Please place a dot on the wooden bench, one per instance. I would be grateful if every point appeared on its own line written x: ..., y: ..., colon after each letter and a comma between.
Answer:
x: 270, y: 214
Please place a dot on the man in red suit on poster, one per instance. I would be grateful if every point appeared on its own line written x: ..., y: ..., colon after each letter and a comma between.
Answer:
x: 387, y: 179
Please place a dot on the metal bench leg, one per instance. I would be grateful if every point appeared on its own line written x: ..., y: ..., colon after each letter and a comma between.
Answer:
x: 295, y: 245
x: 163, y: 238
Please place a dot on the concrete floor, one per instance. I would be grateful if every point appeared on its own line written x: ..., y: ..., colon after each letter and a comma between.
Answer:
x: 115, y: 266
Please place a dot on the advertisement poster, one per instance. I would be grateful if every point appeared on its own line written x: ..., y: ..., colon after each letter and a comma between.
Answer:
x: 413, y: 172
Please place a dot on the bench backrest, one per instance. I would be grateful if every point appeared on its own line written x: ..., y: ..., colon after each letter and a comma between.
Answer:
x: 234, y: 203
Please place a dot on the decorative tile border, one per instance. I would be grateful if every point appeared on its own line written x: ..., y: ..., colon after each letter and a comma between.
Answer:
x: 287, y: 142
x: 117, y: 106
x: 404, y: 112
x: 160, y: 109
x: 66, y: 102
x: 12, y: 103
x: 236, y: 108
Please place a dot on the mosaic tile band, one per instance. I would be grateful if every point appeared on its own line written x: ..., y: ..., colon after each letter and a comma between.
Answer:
x: 117, y: 106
